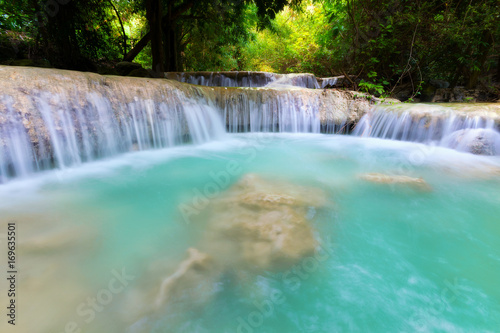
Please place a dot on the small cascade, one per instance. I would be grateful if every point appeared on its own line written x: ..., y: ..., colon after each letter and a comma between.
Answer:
x: 284, y: 113
x: 288, y: 110
x: 223, y: 79
x: 244, y: 79
x: 474, y: 132
x: 294, y: 80
x: 328, y: 81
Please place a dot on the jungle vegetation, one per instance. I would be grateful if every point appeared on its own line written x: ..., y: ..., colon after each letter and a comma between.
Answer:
x: 378, y: 45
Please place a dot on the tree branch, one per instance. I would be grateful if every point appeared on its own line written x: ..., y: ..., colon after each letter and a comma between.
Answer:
x: 123, y: 29
x: 138, y: 47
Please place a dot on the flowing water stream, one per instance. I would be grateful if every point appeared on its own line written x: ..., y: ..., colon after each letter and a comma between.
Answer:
x: 160, y: 217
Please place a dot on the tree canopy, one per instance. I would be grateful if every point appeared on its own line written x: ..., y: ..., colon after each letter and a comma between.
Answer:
x: 379, y: 45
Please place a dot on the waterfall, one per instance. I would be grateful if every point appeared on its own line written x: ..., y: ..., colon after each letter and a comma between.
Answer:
x: 67, y: 127
x: 288, y: 110
x: 77, y: 135
x: 328, y: 81
x: 469, y: 131
x: 58, y: 119
x: 280, y: 107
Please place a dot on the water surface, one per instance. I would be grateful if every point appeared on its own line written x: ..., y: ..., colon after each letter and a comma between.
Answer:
x: 394, y: 257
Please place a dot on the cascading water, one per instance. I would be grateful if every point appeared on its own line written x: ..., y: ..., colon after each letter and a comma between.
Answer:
x: 328, y: 81
x: 288, y: 110
x: 65, y: 128
x: 49, y: 122
x: 248, y: 79
x: 223, y: 79
x: 475, y: 132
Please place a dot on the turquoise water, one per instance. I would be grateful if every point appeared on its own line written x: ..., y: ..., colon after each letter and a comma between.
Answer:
x: 392, y: 257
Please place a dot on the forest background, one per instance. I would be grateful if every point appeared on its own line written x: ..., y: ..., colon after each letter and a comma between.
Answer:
x: 379, y: 46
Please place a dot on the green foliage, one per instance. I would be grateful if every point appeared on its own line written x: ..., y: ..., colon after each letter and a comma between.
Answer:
x: 407, y: 42
x: 382, y: 44
x: 210, y: 45
x: 133, y: 17
x: 403, y: 42
x: 217, y: 31
x: 71, y: 34
x: 293, y: 43
x: 16, y: 30
x: 375, y: 86
x: 80, y: 32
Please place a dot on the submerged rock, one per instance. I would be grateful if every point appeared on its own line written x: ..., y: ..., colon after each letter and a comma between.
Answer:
x: 380, y: 178
x: 56, y: 240
x: 197, y: 267
x: 255, y: 226
x: 265, y: 223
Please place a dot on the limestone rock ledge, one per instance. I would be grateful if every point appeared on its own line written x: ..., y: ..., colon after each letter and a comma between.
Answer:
x: 61, y: 117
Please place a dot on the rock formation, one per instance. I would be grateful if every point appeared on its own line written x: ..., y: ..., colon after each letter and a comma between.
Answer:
x: 476, y: 141
x: 253, y: 227
x: 417, y: 183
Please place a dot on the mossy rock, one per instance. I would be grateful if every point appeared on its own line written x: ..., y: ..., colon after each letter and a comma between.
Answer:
x: 126, y: 67
x: 103, y: 70
x: 31, y: 63
x: 427, y: 93
x: 140, y: 72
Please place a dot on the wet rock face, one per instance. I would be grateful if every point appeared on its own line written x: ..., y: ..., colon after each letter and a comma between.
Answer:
x: 481, y: 146
x: 475, y: 141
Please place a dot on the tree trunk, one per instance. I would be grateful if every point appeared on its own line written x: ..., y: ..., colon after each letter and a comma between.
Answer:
x: 154, y: 15
x: 138, y: 47
x: 170, y: 44
x: 498, y: 69
x: 172, y: 60
x: 460, y: 70
x: 123, y: 28
x: 484, y: 49
x: 167, y: 21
